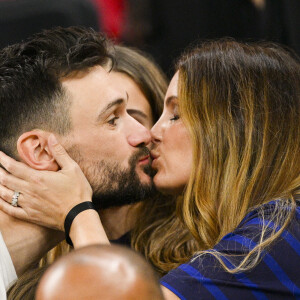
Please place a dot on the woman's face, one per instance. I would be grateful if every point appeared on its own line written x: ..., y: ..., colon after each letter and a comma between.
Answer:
x: 172, y: 147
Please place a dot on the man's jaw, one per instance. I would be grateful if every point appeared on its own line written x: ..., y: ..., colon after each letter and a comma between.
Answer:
x: 144, y: 172
x: 132, y: 186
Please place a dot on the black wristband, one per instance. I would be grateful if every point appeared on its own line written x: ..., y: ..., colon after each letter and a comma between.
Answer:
x: 77, y: 209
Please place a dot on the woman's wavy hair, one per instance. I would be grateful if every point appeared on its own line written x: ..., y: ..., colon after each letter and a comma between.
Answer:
x: 241, y: 105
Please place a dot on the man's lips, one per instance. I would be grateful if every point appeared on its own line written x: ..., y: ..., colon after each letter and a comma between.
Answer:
x: 144, y: 159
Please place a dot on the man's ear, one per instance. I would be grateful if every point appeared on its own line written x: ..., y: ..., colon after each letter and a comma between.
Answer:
x: 33, y: 149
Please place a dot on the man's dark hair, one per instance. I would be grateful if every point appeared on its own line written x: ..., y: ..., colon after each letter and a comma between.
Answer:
x: 31, y: 93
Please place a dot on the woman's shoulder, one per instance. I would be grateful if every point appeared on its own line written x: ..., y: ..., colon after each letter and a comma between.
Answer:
x: 260, y: 223
x: 266, y: 213
x: 274, y: 275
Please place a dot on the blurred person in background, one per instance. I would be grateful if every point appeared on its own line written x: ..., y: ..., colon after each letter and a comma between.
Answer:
x: 100, y: 272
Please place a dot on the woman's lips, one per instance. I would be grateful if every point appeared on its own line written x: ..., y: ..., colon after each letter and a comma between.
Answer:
x: 154, y: 157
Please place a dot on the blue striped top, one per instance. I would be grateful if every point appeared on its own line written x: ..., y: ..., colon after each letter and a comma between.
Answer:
x: 276, y: 276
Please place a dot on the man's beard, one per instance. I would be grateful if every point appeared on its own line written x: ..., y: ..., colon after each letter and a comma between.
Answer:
x: 113, y: 185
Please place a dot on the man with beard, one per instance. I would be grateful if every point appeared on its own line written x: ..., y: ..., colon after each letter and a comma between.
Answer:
x: 59, y: 82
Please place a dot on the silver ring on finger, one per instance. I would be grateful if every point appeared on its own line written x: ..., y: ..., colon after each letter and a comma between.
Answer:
x: 15, y: 198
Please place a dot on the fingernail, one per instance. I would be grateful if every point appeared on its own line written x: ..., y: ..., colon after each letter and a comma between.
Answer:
x: 52, y: 139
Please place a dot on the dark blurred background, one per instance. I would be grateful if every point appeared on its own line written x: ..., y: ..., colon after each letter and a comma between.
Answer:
x: 164, y: 28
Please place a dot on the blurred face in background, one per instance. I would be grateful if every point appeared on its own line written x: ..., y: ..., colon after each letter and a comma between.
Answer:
x: 138, y: 106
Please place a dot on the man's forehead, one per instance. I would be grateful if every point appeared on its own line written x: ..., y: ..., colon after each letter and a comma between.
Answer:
x: 93, y: 85
x: 82, y: 74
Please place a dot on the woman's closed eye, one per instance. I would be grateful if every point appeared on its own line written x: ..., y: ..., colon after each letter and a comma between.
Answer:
x: 175, y: 118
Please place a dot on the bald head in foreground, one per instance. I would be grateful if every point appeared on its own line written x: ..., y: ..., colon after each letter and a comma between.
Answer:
x: 100, y: 272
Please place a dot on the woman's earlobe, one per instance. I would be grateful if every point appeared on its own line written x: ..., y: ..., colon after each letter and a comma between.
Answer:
x: 33, y: 149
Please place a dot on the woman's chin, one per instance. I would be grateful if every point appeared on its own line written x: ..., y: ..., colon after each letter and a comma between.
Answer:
x: 167, y: 187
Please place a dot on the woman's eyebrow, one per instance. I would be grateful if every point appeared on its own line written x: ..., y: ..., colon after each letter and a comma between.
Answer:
x: 170, y: 99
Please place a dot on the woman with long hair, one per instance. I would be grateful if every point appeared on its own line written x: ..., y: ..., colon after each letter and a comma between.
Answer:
x: 227, y: 146
x: 238, y: 106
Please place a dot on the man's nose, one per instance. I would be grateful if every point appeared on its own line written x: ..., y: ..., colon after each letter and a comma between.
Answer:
x: 139, y: 135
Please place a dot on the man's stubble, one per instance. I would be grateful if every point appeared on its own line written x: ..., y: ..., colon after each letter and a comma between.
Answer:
x: 112, y: 184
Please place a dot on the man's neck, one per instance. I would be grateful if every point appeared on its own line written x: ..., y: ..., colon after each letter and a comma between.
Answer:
x: 118, y: 220
x: 27, y: 243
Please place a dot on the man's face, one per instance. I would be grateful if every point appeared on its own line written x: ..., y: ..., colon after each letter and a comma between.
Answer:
x: 107, y: 143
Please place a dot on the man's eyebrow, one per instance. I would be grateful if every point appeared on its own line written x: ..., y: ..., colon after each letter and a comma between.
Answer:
x: 109, y: 106
x: 170, y: 99
x: 136, y: 112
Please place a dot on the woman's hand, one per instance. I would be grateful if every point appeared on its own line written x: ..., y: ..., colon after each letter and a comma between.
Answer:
x: 45, y: 197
